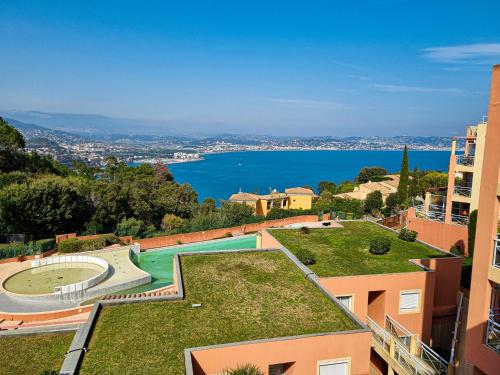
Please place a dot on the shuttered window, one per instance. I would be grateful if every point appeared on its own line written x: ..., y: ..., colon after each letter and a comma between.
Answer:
x: 408, y: 301
x: 334, y: 368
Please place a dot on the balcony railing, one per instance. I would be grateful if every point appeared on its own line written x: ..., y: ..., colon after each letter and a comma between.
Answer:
x: 465, y: 160
x: 496, y: 253
x: 459, y: 219
x: 412, y: 358
x: 493, y: 330
x: 434, y: 212
x: 464, y: 191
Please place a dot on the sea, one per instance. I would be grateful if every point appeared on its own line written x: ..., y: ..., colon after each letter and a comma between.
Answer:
x: 220, y: 175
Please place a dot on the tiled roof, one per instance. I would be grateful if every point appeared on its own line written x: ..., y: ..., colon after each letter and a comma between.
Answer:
x: 244, y: 197
x: 299, y: 190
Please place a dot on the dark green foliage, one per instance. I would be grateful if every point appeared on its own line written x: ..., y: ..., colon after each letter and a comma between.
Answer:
x: 380, y: 245
x: 10, y: 137
x: 74, y: 245
x: 246, y: 369
x: 368, y: 173
x: 456, y: 250
x: 472, y: 231
x: 12, y: 178
x: 228, y: 234
x: 407, y: 235
x: 15, y: 249
x: 280, y: 213
x: 328, y: 203
x: 373, y: 201
x: 404, y: 177
x: 327, y: 186
x: 345, y: 187
x: 392, y: 202
x: 306, y: 257
x: 304, y: 230
x: 133, y: 227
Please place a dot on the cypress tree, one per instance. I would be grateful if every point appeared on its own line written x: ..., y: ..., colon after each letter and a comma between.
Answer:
x: 404, y: 177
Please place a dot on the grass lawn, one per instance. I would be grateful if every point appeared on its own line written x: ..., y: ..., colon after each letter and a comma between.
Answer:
x: 344, y: 251
x: 244, y: 296
x: 33, y: 354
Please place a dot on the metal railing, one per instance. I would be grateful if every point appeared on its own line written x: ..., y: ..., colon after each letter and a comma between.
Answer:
x: 459, y: 219
x: 465, y: 160
x: 419, y: 349
x: 496, y: 253
x: 463, y: 190
x: 493, y: 330
x: 397, y: 351
x: 436, y: 213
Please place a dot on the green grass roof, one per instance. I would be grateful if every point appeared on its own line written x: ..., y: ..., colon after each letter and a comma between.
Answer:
x: 344, y: 251
x: 244, y: 296
x: 33, y: 354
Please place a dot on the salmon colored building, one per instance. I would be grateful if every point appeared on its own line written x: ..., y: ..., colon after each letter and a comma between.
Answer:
x: 482, y: 339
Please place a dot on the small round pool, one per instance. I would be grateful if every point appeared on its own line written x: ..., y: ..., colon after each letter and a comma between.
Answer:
x: 43, y: 279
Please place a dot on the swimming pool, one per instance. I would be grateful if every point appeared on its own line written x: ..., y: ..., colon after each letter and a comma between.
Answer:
x: 159, y: 262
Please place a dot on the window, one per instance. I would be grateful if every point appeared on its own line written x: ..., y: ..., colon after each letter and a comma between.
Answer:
x: 409, y: 301
x: 276, y: 369
x: 336, y: 367
x: 346, y: 301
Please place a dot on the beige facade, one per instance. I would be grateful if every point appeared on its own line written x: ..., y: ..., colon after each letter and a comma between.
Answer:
x: 297, y: 198
x: 385, y: 187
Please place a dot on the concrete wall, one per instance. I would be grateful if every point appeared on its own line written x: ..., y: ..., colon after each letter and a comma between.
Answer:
x: 438, y: 234
x: 300, y: 202
x: 304, y: 354
x: 150, y: 243
x: 360, y: 286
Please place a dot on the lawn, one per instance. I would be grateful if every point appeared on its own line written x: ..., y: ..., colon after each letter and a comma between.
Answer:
x: 33, y: 354
x: 244, y: 296
x: 344, y: 251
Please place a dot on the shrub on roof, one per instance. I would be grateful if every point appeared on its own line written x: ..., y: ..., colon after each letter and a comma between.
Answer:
x: 407, y: 235
x: 304, y: 230
x: 74, y: 245
x: 306, y: 257
x: 380, y: 245
x: 246, y: 369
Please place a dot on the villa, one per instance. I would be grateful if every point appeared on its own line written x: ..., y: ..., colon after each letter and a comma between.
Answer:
x: 298, y: 198
x: 386, y: 187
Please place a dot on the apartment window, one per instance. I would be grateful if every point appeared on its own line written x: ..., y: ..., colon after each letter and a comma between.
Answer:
x: 335, y: 367
x: 346, y: 301
x: 409, y: 301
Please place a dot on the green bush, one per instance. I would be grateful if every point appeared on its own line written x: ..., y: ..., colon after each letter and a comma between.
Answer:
x: 380, y: 245
x: 246, y: 369
x: 11, y: 250
x: 74, y: 245
x: 407, y: 235
x: 46, y: 244
x: 456, y: 250
x: 306, y: 257
x: 228, y: 234
x: 280, y: 213
x: 304, y: 230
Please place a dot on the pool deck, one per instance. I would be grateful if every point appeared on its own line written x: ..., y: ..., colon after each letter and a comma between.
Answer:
x: 123, y: 275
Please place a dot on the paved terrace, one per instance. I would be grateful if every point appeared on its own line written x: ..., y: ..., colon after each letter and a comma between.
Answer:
x: 344, y: 251
x: 243, y: 296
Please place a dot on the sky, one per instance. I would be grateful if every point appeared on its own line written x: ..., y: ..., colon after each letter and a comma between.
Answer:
x: 300, y: 68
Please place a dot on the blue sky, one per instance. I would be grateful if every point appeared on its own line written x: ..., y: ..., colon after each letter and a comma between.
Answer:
x: 374, y: 67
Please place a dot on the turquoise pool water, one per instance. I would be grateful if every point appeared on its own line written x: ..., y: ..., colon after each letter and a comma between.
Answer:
x: 159, y: 262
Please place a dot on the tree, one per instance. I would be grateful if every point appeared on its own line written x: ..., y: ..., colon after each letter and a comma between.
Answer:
x: 392, y: 202
x: 10, y: 137
x: 471, y: 227
x: 327, y: 186
x: 414, y: 188
x: 367, y: 173
x: 162, y: 173
x: 180, y: 200
x: 208, y: 205
x: 373, y: 201
x: 170, y: 222
x: 130, y: 227
x: 404, y: 178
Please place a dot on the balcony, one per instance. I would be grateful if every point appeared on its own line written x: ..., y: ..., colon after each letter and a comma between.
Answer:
x: 496, y: 253
x: 433, y: 212
x: 459, y: 219
x: 464, y: 191
x: 493, y: 330
x: 404, y: 351
x: 466, y: 160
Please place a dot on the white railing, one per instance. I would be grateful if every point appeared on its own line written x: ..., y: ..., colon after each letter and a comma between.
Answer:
x: 493, y: 330
x: 465, y: 160
x: 459, y: 219
x: 496, y: 253
x: 420, y: 349
x: 463, y: 190
x: 397, y: 351
x: 434, y: 212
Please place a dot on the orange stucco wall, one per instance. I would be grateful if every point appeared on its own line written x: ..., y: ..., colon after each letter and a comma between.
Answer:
x: 438, y: 234
x: 419, y: 322
x: 304, y: 353
x: 476, y: 351
x: 150, y: 243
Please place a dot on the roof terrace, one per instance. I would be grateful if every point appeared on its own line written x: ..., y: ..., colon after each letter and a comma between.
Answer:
x: 243, y: 296
x: 344, y: 251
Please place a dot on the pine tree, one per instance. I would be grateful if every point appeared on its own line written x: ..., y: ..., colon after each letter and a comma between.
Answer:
x: 404, y: 178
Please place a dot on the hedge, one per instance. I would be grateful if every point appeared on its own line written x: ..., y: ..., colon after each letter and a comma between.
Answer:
x: 15, y: 249
x: 74, y: 245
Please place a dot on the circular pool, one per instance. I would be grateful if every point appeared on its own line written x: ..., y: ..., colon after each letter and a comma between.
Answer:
x: 45, y: 279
